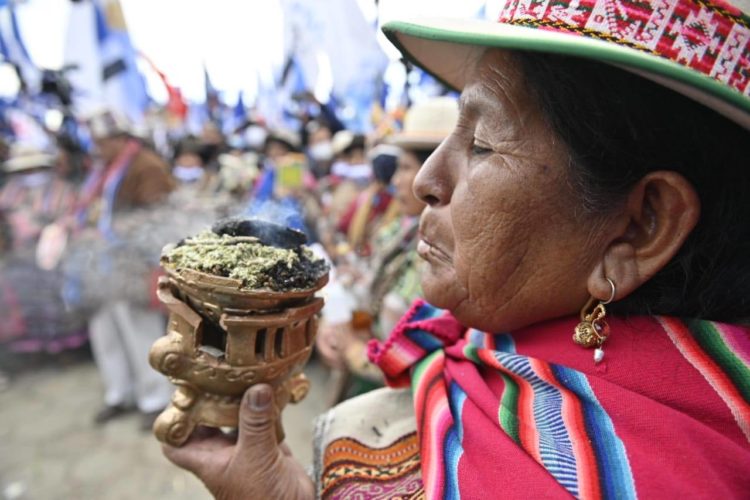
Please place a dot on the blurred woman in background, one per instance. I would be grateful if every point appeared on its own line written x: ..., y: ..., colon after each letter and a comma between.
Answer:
x: 384, y: 284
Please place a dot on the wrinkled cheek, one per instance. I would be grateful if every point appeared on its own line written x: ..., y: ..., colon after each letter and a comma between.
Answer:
x: 467, y: 257
x: 469, y: 307
x: 440, y: 286
x: 462, y: 262
x: 481, y: 269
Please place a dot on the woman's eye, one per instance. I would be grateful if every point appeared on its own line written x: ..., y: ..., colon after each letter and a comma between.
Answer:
x: 478, y: 150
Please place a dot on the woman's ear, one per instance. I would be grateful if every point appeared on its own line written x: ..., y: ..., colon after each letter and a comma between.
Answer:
x: 657, y: 217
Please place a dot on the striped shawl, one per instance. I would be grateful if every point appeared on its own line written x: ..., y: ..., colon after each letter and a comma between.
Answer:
x: 529, y: 414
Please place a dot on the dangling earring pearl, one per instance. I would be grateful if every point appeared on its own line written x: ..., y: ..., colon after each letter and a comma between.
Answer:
x: 593, y: 329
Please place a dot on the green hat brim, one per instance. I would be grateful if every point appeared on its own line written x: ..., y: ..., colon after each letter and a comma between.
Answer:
x: 448, y: 48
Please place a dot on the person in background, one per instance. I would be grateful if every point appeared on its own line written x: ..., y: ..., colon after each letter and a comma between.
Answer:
x: 6, y: 235
x: 4, y: 150
x: 33, y: 195
x: 278, y: 145
x: 237, y: 174
x: 73, y: 160
x: 373, y: 206
x: 255, y: 134
x: 33, y: 198
x: 4, y: 154
x: 13, y: 326
x: 351, y: 162
x: 319, y: 148
x: 188, y: 167
x: 213, y: 144
x: 349, y: 175
x: 385, y: 284
x: 123, y: 329
x: 285, y: 187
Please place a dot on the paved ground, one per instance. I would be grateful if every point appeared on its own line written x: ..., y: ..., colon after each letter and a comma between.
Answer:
x: 50, y: 450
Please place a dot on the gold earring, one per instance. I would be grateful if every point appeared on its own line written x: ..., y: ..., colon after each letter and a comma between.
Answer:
x: 593, y: 329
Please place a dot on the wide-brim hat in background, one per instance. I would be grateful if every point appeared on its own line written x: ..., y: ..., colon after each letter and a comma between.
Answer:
x: 427, y: 124
x: 23, y: 157
x: 341, y: 141
x: 345, y: 141
x: 290, y: 139
x: 699, y: 48
x: 383, y: 150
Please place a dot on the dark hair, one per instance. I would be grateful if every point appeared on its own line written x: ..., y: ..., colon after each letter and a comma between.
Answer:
x: 384, y: 166
x: 275, y: 139
x: 422, y: 154
x: 188, y: 145
x: 6, y: 234
x: 358, y: 144
x: 618, y: 127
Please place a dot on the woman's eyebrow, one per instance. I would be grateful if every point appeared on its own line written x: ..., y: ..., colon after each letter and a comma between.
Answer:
x: 469, y: 100
x: 462, y: 102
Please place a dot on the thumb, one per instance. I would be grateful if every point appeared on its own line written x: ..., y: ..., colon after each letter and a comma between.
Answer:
x: 257, y: 431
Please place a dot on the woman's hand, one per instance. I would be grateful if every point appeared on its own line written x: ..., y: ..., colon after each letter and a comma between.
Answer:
x: 254, y: 466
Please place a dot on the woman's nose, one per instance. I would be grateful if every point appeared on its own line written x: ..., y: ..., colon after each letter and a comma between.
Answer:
x: 432, y: 184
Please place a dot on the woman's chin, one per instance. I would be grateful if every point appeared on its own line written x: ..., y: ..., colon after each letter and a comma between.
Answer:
x: 440, y: 287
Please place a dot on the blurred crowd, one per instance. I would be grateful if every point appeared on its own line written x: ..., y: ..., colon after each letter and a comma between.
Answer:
x: 81, y: 232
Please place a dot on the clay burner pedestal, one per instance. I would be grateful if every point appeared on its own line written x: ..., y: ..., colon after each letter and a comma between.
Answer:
x: 221, y: 340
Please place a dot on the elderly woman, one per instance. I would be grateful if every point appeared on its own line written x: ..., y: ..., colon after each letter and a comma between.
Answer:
x: 582, y: 204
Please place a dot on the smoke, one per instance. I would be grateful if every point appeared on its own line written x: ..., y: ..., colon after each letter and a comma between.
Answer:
x: 269, y: 233
x: 285, y: 212
x: 99, y: 271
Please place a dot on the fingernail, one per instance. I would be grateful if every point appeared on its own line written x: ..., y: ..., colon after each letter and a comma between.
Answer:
x: 260, y: 398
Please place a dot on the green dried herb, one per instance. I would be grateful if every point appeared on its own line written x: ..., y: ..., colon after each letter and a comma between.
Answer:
x: 245, y: 258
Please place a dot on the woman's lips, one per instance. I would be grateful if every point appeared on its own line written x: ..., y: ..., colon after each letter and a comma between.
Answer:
x: 428, y: 251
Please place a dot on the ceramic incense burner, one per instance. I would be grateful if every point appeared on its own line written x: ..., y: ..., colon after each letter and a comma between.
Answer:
x: 222, y: 338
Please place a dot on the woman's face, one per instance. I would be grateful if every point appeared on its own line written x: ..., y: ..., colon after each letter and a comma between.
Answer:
x: 403, y: 181
x: 503, y: 243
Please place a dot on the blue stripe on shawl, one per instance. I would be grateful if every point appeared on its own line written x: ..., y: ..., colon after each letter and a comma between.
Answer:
x: 426, y: 311
x: 452, y: 448
x: 476, y: 338
x: 555, y: 447
x: 422, y: 338
x: 615, y: 475
x: 425, y: 340
x: 505, y: 343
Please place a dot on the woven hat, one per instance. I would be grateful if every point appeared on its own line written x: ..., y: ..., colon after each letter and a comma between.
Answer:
x: 427, y: 123
x: 699, y: 48
x: 23, y: 157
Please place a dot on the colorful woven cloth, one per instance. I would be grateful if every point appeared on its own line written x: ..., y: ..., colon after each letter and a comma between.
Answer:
x: 709, y: 36
x: 529, y: 415
x: 367, y: 447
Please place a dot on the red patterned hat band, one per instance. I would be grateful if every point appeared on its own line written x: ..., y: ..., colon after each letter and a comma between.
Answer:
x: 710, y: 37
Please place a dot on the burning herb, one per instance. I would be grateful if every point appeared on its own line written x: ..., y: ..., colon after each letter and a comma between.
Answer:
x: 245, y: 258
